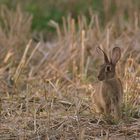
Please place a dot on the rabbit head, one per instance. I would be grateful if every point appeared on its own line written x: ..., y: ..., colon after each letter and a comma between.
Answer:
x: 107, y: 70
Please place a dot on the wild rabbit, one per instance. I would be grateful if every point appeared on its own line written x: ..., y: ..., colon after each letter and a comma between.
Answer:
x: 109, y: 92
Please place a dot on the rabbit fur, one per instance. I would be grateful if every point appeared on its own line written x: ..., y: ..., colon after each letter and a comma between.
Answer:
x: 108, y: 94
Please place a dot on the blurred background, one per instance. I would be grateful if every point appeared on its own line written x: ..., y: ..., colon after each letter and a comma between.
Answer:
x: 61, y: 24
x: 43, y: 11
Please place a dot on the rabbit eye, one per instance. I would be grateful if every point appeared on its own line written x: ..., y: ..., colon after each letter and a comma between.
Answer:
x: 108, y: 68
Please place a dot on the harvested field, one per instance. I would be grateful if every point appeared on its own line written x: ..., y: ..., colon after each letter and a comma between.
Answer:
x: 46, y: 87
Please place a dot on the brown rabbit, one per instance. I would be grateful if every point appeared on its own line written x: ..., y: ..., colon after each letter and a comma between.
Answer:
x: 109, y: 92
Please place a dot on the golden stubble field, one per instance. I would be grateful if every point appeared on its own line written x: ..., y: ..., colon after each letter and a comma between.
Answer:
x: 45, y: 87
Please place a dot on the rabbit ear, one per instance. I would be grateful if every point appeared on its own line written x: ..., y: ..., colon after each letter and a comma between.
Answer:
x: 105, y: 56
x: 116, y: 54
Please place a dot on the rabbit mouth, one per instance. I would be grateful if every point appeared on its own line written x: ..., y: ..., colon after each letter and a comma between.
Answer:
x: 100, y: 78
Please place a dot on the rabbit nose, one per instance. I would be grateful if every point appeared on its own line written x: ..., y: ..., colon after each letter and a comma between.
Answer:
x: 98, y: 76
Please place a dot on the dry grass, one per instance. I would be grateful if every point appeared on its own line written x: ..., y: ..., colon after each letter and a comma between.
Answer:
x: 15, y: 32
x: 47, y: 94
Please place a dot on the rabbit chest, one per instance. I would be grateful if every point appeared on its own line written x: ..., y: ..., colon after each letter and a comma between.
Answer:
x: 111, y: 90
